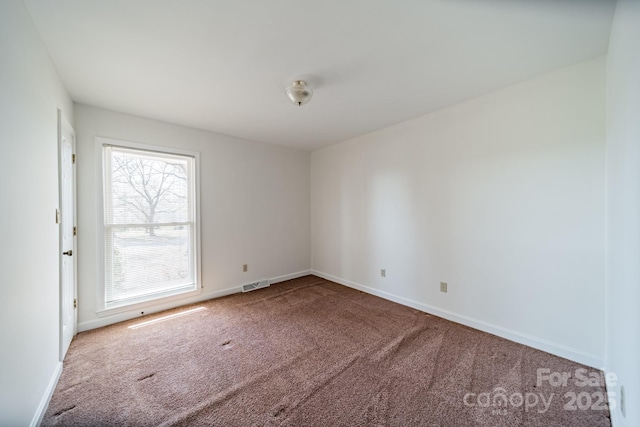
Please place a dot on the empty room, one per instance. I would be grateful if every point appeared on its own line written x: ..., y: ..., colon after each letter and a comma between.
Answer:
x: 337, y: 213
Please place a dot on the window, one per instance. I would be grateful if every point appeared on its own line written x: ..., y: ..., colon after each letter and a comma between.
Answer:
x: 150, y: 227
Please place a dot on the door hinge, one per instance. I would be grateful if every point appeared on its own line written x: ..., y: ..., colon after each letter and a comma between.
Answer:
x: 73, y: 159
x: 75, y: 303
x: 75, y: 231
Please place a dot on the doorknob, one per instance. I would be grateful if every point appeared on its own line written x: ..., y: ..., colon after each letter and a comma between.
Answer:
x: 68, y: 253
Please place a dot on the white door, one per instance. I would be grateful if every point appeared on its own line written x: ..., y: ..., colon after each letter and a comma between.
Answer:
x: 67, y: 145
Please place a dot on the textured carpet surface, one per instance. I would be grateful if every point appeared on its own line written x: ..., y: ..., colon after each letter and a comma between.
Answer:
x: 309, y: 352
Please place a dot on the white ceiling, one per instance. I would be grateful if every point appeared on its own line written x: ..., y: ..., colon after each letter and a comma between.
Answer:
x: 224, y: 65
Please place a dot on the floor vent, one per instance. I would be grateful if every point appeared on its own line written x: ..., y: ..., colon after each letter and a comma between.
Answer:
x: 255, y: 285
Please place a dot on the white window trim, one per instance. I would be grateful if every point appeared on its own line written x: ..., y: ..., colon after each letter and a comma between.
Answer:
x: 102, y: 310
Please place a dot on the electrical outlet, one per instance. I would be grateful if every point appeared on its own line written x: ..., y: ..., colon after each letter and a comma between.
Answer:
x: 245, y: 268
x: 443, y: 287
x: 383, y: 272
x: 623, y: 408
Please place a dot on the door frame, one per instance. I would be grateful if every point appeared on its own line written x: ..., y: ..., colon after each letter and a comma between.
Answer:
x: 63, y: 124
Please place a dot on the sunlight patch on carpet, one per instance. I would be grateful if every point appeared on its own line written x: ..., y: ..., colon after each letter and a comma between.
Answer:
x: 165, y: 318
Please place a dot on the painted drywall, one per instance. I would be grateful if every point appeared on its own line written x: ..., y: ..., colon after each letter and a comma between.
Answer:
x: 30, y: 95
x: 254, y: 206
x: 623, y: 210
x: 502, y: 197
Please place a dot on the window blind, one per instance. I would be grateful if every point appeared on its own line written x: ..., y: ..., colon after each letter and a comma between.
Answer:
x: 149, y: 224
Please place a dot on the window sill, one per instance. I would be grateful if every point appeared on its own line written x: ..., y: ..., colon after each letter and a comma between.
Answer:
x: 116, y: 309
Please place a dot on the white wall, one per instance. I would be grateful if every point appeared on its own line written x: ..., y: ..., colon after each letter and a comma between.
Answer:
x: 254, y: 206
x: 623, y: 209
x: 30, y: 94
x: 501, y: 196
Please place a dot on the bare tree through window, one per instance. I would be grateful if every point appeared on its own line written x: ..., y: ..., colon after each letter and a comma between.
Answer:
x: 149, y: 187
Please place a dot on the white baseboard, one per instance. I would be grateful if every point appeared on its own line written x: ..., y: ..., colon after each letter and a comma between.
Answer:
x: 135, y: 313
x: 528, y: 340
x: 46, y: 397
x: 614, y: 414
x: 614, y: 418
x: 290, y: 276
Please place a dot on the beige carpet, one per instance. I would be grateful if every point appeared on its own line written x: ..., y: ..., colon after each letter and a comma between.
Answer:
x: 309, y: 352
